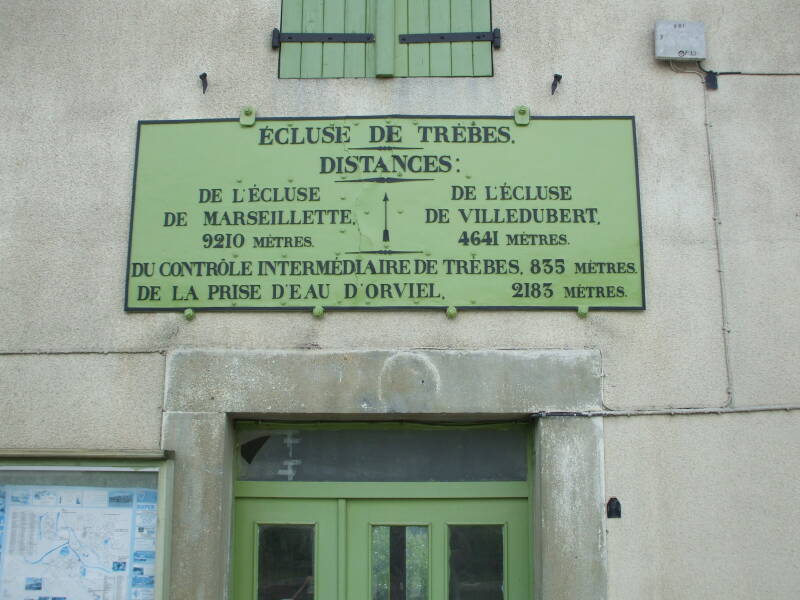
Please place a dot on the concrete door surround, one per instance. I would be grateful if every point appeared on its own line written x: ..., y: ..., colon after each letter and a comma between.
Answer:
x: 206, y: 390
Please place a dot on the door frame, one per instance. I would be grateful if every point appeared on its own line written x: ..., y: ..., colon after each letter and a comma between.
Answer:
x: 243, y: 567
x: 560, y: 390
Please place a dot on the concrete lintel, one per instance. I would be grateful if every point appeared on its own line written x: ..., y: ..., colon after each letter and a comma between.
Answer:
x: 570, y: 554
x: 383, y: 382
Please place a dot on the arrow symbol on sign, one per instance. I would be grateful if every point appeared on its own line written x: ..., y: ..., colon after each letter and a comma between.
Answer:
x: 385, y: 217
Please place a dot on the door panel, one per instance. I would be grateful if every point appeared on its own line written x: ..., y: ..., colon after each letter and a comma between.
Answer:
x: 272, y: 557
x: 446, y: 547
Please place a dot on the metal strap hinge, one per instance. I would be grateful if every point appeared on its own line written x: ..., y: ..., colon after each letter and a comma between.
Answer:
x: 466, y: 36
x: 279, y: 38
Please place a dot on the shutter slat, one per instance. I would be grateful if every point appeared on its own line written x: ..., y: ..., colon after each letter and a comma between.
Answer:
x: 355, y: 22
x: 401, y: 26
x: 369, y: 50
x: 440, y: 52
x: 418, y: 54
x: 291, y: 20
x: 384, y: 38
x: 311, y: 57
x: 461, y: 20
x: 333, y: 54
x: 481, y: 51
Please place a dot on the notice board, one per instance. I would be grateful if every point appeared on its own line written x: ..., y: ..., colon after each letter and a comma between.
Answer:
x: 386, y: 212
x: 77, y: 542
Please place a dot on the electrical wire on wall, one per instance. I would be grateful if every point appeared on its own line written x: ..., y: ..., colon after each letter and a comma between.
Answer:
x: 711, y: 77
x: 698, y: 72
x: 726, y: 329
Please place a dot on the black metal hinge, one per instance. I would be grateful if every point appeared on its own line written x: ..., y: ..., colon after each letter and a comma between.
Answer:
x: 279, y: 38
x: 465, y: 36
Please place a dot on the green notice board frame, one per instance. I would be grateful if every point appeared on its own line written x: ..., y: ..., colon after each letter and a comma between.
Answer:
x: 386, y: 212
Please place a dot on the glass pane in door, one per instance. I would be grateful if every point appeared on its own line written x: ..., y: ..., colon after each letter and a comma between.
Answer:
x: 399, y: 562
x: 476, y: 562
x: 286, y: 562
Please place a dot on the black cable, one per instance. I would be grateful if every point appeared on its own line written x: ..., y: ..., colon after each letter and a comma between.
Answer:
x: 761, y: 74
x: 788, y: 74
x: 711, y: 76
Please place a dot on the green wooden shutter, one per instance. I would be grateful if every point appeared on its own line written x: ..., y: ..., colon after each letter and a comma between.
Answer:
x: 446, y: 59
x: 316, y: 59
x: 386, y: 57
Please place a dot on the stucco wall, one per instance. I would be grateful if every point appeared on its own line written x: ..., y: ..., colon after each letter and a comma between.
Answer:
x: 106, y: 67
x: 81, y: 401
x: 720, y: 228
x: 707, y: 506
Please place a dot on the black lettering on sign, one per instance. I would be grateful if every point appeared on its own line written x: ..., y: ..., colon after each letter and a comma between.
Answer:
x: 462, y: 192
x: 175, y: 219
x: 532, y: 290
x: 234, y: 292
x: 142, y: 269
x: 148, y: 292
x: 330, y: 134
x: 536, y: 239
x: 297, y: 291
x: 389, y: 133
x: 396, y: 163
x: 183, y: 294
x: 594, y: 291
x: 397, y: 291
x: 592, y: 267
x: 210, y: 195
x: 478, y: 266
x: 437, y: 215
x: 461, y: 134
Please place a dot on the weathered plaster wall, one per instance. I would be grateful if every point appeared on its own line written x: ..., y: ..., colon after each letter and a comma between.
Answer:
x: 708, y: 506
x: 72, y: 100
x: 754, y: 132
x: 71, y: 124
x: 77, y: 76
x: 81, y: 401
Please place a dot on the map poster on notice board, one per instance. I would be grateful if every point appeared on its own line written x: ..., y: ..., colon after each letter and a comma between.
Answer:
x: 386, y: 212
x: 77, y: 543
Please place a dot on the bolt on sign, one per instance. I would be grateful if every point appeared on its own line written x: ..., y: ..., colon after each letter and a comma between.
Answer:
x: 386, y: 212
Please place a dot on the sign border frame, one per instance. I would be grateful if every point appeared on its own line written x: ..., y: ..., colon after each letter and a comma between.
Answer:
x: 141, y: 122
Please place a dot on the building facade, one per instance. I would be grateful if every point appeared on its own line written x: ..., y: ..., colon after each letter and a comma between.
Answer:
x: 685, y: 412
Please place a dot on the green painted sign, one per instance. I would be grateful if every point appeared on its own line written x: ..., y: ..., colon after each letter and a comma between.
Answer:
x: 386, y: 212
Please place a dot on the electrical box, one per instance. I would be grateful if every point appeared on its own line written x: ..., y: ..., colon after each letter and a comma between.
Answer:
x: 680, y: 40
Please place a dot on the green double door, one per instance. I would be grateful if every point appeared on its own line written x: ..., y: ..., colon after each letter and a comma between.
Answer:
x: 373, y: 548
